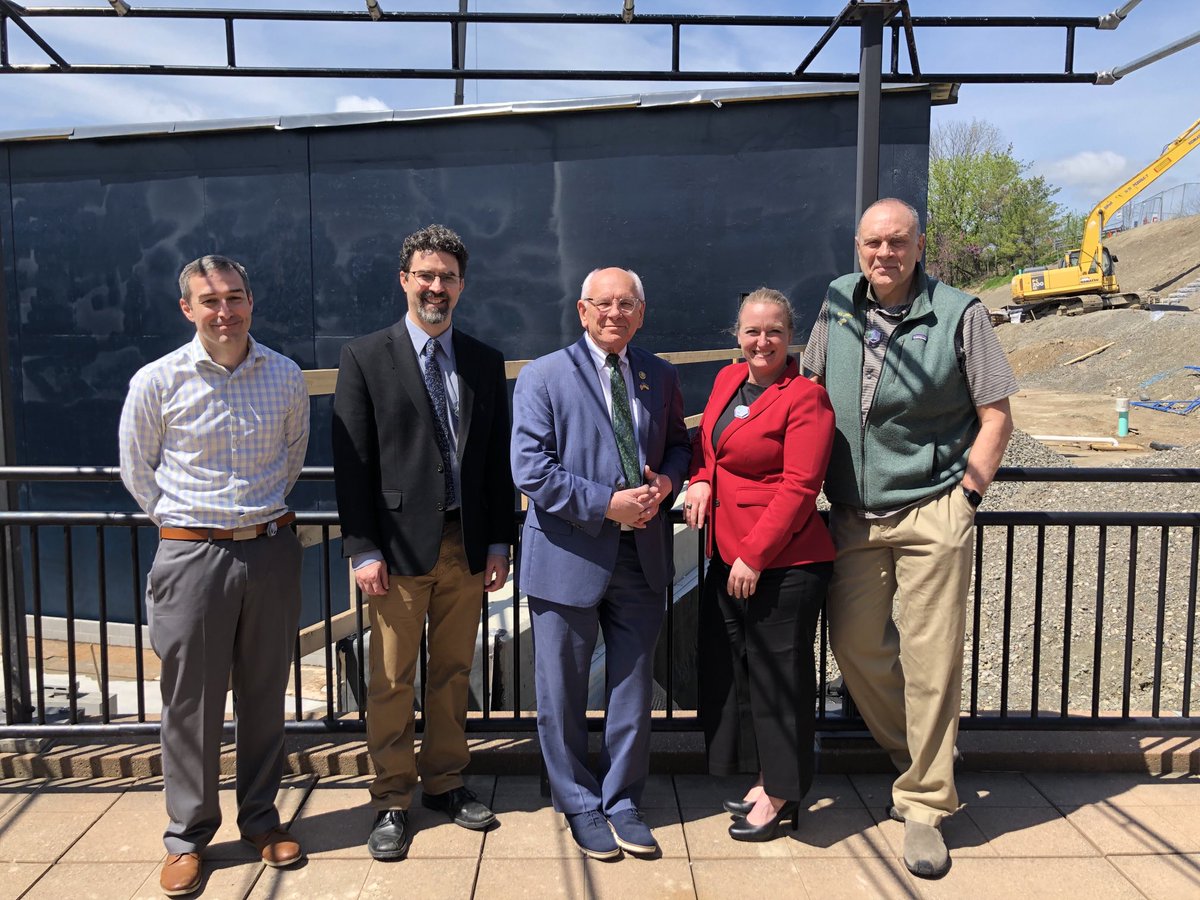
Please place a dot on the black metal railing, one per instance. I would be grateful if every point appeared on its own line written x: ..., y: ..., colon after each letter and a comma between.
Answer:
x: 1075, y: 622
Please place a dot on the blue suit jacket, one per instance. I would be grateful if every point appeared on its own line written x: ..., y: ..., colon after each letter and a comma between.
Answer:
x: 564, y: 458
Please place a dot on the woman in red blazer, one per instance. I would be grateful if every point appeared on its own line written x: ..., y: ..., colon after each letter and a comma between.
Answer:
x: 758, y: 462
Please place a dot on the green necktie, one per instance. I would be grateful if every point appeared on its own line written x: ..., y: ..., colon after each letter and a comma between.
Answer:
x: 623, y: 422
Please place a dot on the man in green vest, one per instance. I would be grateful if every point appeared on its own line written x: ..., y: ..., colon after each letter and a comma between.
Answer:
x: 920, y: 387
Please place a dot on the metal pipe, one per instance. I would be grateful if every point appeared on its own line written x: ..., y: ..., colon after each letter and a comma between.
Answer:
x: 17, y: 14
x: 627, y: 12
x: 870, y: 92
x: 833, y: 26
x: 374, y: 11
x: 649, y: 75
x: 1111, y: 77
x: 1109, y: 21
x: 460, y: 53
x: 230, y: 45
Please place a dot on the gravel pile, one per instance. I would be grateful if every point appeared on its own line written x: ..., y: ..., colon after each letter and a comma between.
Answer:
x: 1118, y: 615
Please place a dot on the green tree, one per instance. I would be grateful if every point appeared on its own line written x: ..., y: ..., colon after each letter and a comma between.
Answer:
x: 986, y: 215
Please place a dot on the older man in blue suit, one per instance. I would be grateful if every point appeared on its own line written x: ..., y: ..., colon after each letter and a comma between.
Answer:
x: 599, y: 445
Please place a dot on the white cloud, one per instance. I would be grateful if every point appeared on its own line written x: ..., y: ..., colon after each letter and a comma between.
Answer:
x: 1088, y: 169
x: 355, y: 103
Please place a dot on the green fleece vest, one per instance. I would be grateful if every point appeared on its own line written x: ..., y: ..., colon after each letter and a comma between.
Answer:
x: 922, y: 421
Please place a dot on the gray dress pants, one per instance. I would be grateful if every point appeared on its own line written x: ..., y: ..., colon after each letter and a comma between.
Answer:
x: 218, y: 609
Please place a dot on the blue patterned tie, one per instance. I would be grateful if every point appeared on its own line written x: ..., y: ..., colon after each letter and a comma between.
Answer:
x: 435, y: 384
x: 623, y: 423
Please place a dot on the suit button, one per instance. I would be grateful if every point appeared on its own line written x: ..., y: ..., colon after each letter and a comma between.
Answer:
x: 440, y: 467
x: 441, y: 507
x: 716, y: 503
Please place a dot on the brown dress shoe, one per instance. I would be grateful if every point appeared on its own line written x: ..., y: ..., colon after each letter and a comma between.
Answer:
x: 277, y: 847
x: 180, y: 874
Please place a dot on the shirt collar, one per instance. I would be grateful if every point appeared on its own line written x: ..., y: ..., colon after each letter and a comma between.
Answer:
x: 197, y: 354
x: 599, y: 356
x: 420, y: 337
x: 915, y: 289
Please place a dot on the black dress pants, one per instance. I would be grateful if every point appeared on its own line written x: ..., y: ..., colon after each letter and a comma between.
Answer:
x: 757, y: 687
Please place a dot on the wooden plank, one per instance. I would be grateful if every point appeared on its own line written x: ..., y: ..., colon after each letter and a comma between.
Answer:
x: 323, y: 381
x: 342, y: 625
x: 1083, y: 356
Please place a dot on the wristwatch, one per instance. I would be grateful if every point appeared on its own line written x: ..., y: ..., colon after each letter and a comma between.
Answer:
x: 973, y: 497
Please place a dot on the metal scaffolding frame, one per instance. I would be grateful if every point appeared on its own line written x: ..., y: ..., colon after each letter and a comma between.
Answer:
x: 893, y: 14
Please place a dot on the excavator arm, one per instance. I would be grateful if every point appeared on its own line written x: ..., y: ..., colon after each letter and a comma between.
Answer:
x: 1088, y: 270
x: 1093, y: 229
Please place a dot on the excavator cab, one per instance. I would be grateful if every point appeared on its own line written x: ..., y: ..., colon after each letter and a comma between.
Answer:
x: 1106, y: 261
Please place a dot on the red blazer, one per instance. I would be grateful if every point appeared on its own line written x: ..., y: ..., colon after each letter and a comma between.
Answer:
x: 768, y: 470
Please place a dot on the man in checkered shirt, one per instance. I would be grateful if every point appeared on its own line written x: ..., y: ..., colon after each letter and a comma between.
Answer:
x: 212, y: 438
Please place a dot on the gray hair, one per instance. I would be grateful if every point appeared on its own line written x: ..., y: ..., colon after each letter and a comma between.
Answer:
x: 767, y: 295
x: 212, y: 262
x: 637, y: 283
x: 895, y: 201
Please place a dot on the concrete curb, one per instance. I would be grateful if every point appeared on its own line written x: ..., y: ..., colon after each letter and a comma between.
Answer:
x: 674, y: 753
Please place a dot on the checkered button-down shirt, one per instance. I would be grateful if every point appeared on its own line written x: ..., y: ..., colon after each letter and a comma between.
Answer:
x: 202, y: 447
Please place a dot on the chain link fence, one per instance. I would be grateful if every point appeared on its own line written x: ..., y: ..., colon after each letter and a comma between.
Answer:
x: 1174, y: 203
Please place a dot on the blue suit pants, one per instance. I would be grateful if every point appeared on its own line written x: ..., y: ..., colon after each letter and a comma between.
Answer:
x: 629, y: 616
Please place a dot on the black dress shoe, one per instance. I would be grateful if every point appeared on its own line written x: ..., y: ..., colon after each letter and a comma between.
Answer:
x: 462, y: 806
x: 390, y: 835
x: 741, y: 830
x: 738, y: 807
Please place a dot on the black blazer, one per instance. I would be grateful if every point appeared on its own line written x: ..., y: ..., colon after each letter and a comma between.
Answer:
x: 390, y: 490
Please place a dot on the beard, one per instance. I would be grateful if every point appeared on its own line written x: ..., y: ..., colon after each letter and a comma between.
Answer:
x: 433, y: 315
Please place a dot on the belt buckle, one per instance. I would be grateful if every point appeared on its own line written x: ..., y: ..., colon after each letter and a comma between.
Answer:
x: 248, y: 533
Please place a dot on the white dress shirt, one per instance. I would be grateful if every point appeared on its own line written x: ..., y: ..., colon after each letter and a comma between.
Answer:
x: 203, y: 447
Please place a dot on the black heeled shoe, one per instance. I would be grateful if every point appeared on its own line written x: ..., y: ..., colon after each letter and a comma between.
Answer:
x: 738, y: 807
x: 741, y: 830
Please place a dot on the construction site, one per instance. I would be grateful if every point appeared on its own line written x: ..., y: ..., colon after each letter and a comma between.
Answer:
x: 1079, y: 741
x: 1073, y: 368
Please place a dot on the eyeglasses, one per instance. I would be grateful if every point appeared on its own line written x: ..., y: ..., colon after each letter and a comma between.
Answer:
x: 625, y: 304
x: 425, y: 279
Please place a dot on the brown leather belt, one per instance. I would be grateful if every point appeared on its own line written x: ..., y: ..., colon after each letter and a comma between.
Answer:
x: 249, y: 533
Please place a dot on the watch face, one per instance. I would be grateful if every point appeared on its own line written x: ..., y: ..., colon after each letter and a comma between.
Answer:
x: 973, y: 497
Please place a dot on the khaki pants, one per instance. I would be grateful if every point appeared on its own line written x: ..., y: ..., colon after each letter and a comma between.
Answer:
x: 452, y: 599
x: 897, y: 613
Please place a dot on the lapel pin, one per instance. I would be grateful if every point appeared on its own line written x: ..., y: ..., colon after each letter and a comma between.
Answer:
x: 741, y: 411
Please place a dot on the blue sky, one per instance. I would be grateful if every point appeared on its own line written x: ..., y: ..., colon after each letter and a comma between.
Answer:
x: 1085, y: 139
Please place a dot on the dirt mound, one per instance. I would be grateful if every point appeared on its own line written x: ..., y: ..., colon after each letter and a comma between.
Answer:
x: 1147, y: 357
x: 1156, y: 258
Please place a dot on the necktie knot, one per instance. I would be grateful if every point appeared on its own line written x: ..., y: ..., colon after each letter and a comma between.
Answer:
x: 613, y: 361
x: 430, y: 348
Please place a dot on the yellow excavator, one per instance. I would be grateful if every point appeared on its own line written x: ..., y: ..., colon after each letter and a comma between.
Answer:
x: 1089, y: 270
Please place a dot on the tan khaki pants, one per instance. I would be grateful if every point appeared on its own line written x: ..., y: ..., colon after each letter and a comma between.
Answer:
x: 897, y: 612
x: 451, y: 598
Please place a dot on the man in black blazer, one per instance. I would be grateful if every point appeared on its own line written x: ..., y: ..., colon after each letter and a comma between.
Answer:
x: 425, y: 499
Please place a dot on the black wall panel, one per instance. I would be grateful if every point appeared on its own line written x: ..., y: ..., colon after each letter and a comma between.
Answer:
x: 704, y: 201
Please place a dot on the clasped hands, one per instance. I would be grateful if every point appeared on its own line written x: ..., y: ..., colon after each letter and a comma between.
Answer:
x: 637, y: 505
